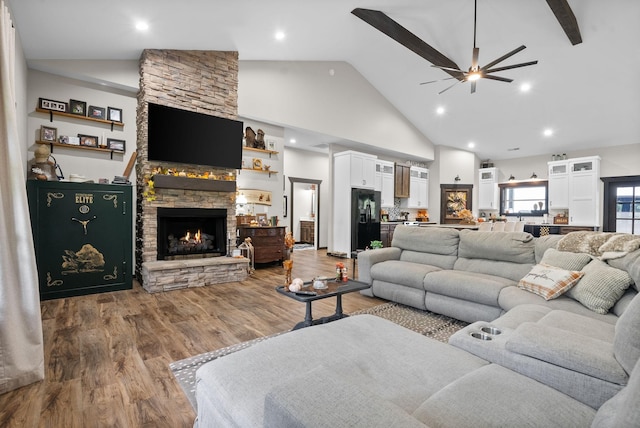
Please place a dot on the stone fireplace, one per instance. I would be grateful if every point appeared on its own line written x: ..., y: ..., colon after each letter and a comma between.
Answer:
x: 204, y: 82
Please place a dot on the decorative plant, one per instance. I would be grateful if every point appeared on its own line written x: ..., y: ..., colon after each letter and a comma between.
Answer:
x: 375, y: 244
x: 150, y: 193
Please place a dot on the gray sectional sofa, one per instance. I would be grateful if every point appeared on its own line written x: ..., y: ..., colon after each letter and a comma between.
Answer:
x: 523, y: 360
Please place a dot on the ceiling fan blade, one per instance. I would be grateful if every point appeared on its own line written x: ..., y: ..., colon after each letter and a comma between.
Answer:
x: 509, y: 67
x: 397, y: 32
x: 567, y: 20
x: 447, y: 88
x: 439, y: 80
x: 448, y: 68
x: 503, y: 57
x: 501, y: 79
x: 473, y: 86
x: 474, y: 60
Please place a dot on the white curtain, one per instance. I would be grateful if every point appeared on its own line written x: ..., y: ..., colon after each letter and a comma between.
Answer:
x: 21, y: 348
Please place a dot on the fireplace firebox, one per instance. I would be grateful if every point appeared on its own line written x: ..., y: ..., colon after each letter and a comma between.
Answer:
x: 191, y: 233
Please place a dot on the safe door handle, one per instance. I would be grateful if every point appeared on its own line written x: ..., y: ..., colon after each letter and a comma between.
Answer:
x: 84, y: 223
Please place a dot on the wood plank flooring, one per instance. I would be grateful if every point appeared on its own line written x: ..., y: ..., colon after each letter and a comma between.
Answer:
x: 107, y: 355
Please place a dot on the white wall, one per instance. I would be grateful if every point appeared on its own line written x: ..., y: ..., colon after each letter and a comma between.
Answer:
x: 314, y: 166
x: 344, y: 105
x: 93, y: 165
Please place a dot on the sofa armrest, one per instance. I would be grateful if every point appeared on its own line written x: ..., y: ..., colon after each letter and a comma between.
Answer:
x: 576, y: 352
x: 367, y: 259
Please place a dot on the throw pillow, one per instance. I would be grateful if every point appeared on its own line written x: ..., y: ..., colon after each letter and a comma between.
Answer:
x: 565, y: 259
x: 549, y: 281
x: 600, y: 287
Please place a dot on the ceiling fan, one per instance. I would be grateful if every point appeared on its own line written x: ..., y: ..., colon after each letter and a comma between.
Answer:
x: 397, y: 32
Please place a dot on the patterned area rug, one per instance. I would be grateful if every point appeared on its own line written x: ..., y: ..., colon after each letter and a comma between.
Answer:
x: 426, y: 323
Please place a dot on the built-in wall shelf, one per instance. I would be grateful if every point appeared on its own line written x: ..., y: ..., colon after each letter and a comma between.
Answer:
x: 261, y: 171
x: 53, y: 144
x: 52, y: 113
x: 252, y: 149
x: 187, y: 183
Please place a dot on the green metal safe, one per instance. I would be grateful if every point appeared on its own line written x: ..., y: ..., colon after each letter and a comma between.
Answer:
x: 82, y: 235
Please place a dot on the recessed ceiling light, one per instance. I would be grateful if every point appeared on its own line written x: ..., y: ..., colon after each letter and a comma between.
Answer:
x: 280, y: 35
x: 440, y: 110
x: 548, y: 132
x: 292, y: 140
x: 142, y: 26
x: 525, y: 87
x: 471, y: 144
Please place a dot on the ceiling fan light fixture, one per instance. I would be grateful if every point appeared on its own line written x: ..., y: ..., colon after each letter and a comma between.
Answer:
x: 473, y: 76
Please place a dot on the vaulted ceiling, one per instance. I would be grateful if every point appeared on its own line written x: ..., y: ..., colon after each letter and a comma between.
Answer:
x: 587, y: 93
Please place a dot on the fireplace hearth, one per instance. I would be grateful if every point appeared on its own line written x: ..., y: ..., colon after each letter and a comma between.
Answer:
x: 185, y: 233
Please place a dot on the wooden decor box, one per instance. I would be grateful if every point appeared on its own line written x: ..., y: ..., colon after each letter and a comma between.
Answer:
x: 560, y: 220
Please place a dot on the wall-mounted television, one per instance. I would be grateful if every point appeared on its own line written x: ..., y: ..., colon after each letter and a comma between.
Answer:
x: 182, y: 136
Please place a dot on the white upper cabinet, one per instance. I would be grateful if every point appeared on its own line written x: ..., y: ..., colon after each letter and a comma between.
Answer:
x: 488, y: 192
x: 385, y: 182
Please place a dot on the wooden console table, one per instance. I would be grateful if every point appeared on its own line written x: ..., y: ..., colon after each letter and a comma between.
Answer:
x: 267, y: 241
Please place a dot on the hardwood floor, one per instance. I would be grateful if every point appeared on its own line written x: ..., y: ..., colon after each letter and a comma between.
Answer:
x: 107, y: 355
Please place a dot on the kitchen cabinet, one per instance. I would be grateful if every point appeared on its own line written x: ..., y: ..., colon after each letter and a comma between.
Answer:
x: 402, y: 181
x: 357, y: 169
x: 386, y: 233
x: 558, y: 184
x: 488, y: 191
x: 584, y: 191
x: 418, y: 188
x: 267, y: 241
x: 82, y: 235
x: 385, y: 182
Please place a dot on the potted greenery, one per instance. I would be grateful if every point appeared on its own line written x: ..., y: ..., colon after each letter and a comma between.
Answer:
x: 375, y: 244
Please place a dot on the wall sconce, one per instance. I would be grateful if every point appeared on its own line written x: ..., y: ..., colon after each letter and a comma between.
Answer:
x: 533, y: 175
x: 241, y: 199
x: 457, y: 178
x: 511, y: 177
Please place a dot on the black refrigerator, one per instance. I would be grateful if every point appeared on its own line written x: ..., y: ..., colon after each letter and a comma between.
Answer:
x: 365, y: 218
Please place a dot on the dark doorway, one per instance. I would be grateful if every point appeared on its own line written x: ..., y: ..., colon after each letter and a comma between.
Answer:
x: 621, y: 211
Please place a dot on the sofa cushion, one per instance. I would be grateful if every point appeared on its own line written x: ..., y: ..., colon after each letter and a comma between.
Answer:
x: 565, y: 259
x: 623, y: 410
x: 543, y: 243
x: 600, y: 287
x: 630, y: 264
x: 509, y: 270
x: 626, y: 344
x: 435, y: 240
x: 471, y: 286
x: 511, y: 297
x: 548, y: 281
x: 440, y: 260
x: 402, y: 273
x: 515, y: 247
x: 579, y: 324
x: 493, y: 396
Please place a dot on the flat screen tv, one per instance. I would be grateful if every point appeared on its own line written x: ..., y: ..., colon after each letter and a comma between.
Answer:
x: 184, y: 136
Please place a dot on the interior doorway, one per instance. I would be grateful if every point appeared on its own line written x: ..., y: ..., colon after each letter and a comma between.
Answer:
x: 304, y: 219
x: 621, y: 211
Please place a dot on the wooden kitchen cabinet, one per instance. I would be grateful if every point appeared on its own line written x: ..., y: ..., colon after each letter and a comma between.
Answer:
x: 386, y: 233
x: 307, y: 231
x: 402, y: 181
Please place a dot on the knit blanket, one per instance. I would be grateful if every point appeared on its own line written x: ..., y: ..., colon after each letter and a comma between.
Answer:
x: 603, y: 245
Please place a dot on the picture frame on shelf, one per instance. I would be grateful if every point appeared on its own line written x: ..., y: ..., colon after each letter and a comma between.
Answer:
x: 48, y: 134
x: 63, y: 139
x: 271, y: 145
x: 116, y: 145
x: 88, y: 140
x: 96, y: 112
x: 78, y: 107
x: 261, y: 218
x: 257, y: 163
x: 47, y: 104
x: 114, y: 114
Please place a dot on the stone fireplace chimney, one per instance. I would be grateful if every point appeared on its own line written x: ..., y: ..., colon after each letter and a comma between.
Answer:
x: 203, y: 82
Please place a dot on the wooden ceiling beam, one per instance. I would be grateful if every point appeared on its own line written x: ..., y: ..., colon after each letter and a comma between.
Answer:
x: 567, y: 19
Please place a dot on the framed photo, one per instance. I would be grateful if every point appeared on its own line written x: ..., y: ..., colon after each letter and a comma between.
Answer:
x: 64, y: 139
x: 46, y: 104
x: 88, y: 140
x: 78, y: 107
x: 48, y: 134
x: 454, y: 198
x: 114, y: 114
x: 261, y: 218
x: 271, y: 145
x: 96, y: 112
x: 114, y: 144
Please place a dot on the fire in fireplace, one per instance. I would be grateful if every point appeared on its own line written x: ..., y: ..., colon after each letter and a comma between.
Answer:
x: 191, y: 232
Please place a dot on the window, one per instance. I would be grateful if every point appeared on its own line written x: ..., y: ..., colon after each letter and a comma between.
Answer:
x: 622, y: 204
x: 524, y: 199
